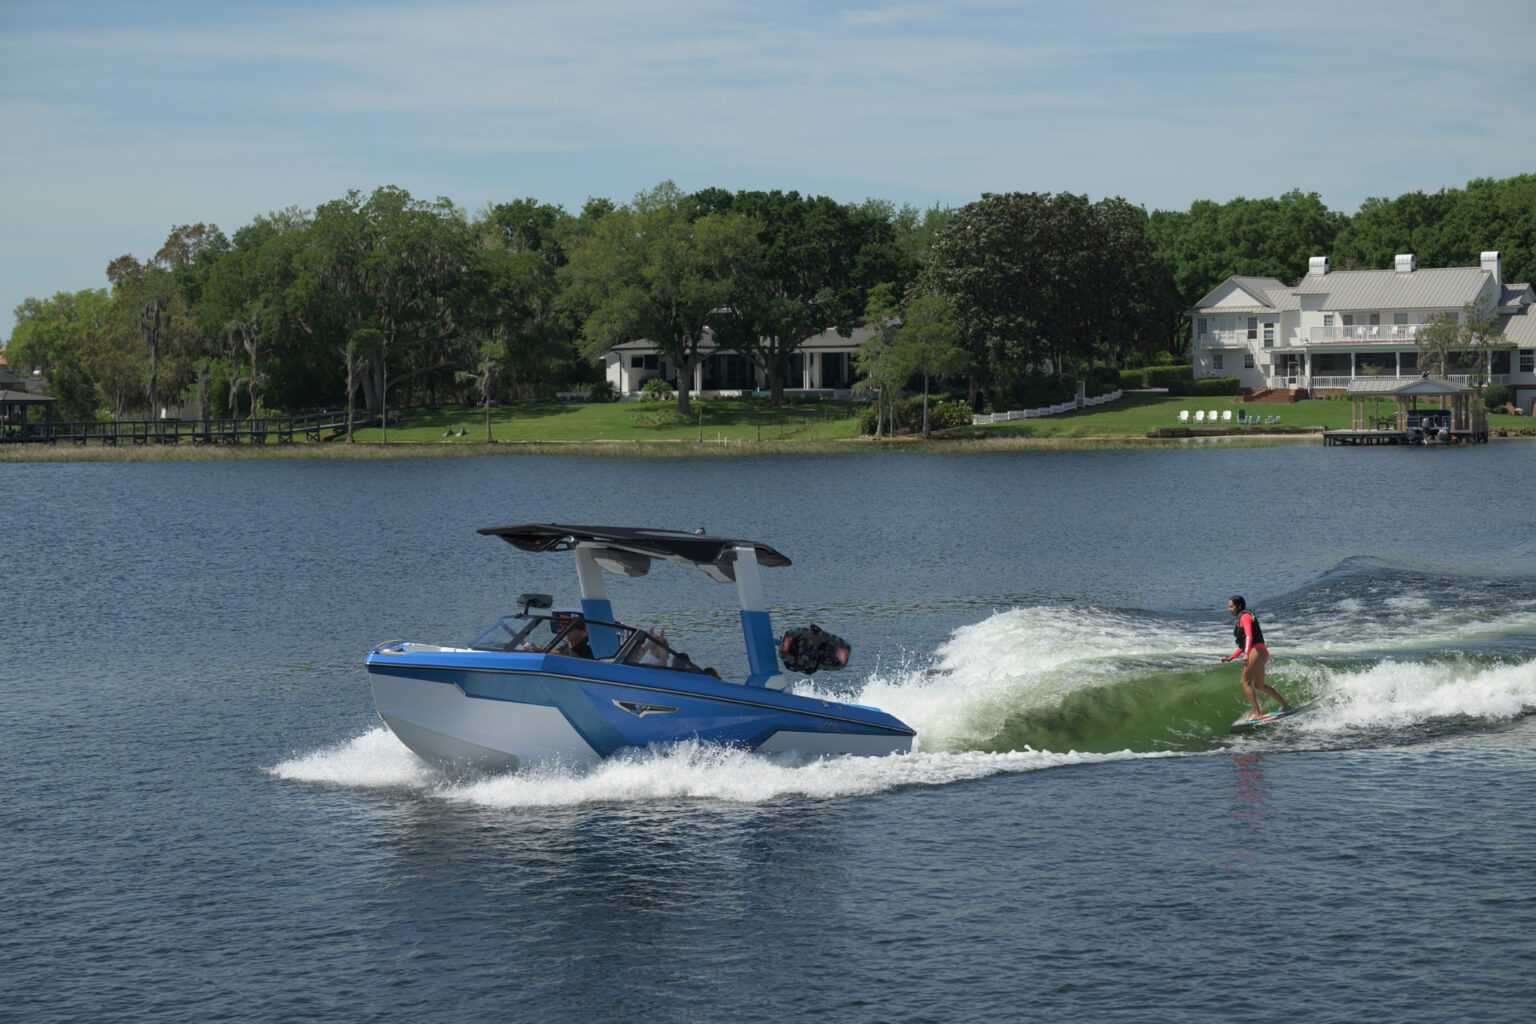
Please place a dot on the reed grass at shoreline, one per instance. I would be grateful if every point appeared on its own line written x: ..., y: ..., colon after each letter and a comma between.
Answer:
x: 628, y: 449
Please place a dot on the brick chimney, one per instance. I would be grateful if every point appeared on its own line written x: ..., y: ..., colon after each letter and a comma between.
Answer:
x: 1406, y: 263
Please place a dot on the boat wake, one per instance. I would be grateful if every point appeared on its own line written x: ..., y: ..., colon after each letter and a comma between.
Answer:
x: 1375, y: 659
x: 683, y: 771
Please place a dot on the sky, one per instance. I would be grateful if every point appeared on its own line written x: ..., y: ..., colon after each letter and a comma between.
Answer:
x: 119, y: 121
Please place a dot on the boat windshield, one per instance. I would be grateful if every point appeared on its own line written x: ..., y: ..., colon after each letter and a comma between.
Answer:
x: 549, y: 634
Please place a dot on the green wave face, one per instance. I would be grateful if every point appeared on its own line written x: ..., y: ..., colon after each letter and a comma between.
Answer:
x: 1366, y: 668
x: 1162, y: 711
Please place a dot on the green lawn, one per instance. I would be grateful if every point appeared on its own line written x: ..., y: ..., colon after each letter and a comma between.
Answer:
x: 754, y: 419
x: 1135, y: 414
x: 747, y: 419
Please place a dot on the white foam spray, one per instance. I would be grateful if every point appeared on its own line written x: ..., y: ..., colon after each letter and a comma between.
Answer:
x: 684, y: 771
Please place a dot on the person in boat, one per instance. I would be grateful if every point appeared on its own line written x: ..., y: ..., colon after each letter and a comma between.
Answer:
x: 654, y: 651
x: 1255, y: 655
x: 576, y: 644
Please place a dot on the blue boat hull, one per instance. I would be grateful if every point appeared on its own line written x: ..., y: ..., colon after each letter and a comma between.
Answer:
x: 495, y: 710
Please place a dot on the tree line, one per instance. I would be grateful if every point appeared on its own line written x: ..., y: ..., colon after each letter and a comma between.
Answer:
x: 384, y: 300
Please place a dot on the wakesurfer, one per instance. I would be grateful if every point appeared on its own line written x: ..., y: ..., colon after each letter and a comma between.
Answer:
x: 1255, y: 655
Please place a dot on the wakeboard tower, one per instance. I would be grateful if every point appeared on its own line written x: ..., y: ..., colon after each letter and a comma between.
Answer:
x: 578, y: 686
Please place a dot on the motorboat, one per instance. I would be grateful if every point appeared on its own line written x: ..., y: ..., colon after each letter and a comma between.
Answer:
x: 575, y: 686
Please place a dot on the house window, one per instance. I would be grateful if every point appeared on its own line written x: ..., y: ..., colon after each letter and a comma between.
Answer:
x: 1375, y: 319
x: 1215, y: 360
x: 1253, y: 328
x: 1248, y: 360
x: 1269, y: 335
x: 1528, y: 360
x: 642, y: 362
x: 1349, y: 320
x: 1327, y: 319
x: 1399, y: 318
x: 1200, y: 326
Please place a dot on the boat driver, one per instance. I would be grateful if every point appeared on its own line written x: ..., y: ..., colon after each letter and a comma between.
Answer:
x: 576, y: 645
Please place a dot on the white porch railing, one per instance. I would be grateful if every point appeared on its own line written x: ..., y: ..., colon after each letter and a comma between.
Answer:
x: 1366, y: 332
x: 984, y: 418
x: 1343, y: 382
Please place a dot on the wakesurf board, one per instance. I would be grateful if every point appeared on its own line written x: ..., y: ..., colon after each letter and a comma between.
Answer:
x: 1246, y: 724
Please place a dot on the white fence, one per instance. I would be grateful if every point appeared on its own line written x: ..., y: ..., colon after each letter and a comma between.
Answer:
x: 981, y: 419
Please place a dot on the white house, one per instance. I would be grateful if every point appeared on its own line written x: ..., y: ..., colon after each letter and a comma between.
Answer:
x: 1334, y: 326
x: 823, y: 363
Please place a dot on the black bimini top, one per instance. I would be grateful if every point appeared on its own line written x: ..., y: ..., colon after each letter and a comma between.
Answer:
x: 694, y: 549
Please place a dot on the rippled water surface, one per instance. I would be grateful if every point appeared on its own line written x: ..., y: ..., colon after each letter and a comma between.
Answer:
x: 204, y: 821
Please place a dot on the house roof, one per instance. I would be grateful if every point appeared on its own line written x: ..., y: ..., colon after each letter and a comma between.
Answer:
x: 1393, y: 386
x: 1443, y: 288
x: 1270, y: 294
x: 1516, y: 294
x: 18, y: 397
x: 826, y: 340
x: 1519, y: 329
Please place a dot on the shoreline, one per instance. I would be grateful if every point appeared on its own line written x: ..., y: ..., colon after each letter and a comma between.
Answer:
x: 13, y: 454
x: 17, y: 454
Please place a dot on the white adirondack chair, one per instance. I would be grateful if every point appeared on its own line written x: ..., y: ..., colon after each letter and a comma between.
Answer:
x: 1226, y: 415
x: 1183, y: 415
x: 1199, y: 415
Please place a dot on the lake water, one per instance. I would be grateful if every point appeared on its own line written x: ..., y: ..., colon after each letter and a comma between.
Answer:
x: 203, y: 819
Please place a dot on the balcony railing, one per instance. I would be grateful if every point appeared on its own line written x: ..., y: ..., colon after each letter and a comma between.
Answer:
x: 1366, y: 332
x: 1343, y: 382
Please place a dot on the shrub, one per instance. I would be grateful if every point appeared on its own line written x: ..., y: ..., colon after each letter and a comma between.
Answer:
x: 1496, y: 397
x: 1213, y: 387
x: 942, y: 415
x: 1102, y: 380
x: 603, y: 391
x: 1168, y: 376
x: 656, y: 390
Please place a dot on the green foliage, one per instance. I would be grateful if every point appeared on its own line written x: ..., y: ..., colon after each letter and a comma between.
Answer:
x: 1457, y: 345
x: 907, y: 414
x: 1167, y: 376
x: 1210, y: 241
x: 1215, y: 387
x: 812, y: 270
x: 415, y: 302
x: 1043, y: 281
x: 658, y: 269
x: 656, y: 390
x: 603, y: 391
x: 1496, y: 397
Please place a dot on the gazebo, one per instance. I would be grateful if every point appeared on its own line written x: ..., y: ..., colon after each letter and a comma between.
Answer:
x: 1467, y: 417
x: 13, y: 413
x: 15, y: 400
